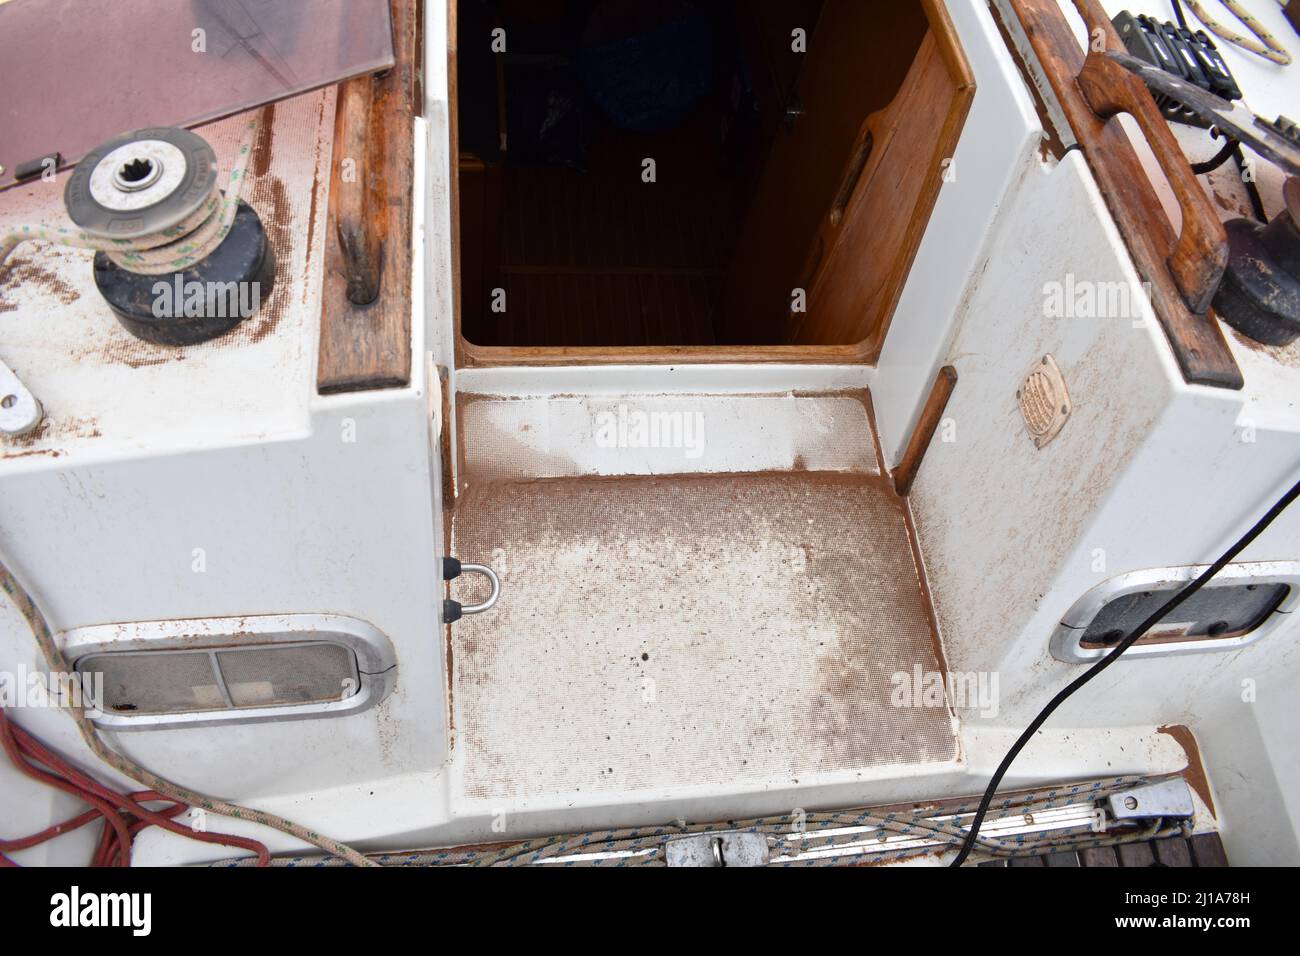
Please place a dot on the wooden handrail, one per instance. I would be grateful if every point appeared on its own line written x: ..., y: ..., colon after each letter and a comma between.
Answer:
x: 1176, y: 270
x: 365, y: 334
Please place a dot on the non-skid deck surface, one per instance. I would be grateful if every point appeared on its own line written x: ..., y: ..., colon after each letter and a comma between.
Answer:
x: 691, y: 631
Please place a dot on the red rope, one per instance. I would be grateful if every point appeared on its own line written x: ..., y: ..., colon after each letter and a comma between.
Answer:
x: 124, y: 814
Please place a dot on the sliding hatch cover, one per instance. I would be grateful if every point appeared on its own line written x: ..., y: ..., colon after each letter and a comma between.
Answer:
x: 78, y: 72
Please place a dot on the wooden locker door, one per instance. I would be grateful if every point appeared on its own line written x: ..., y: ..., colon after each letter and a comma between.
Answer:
x: 843, y: 199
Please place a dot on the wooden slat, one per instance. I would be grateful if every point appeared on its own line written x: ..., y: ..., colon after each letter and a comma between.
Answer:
x: 475, y: 356
x: 1197, y: 341
x: 1207, y: 850
x: 1135, y: 855
x: 449, y: 489
x: 1174, y: 852
x: 1101, y: 856
x: 368, y: 346
x: 1203, y: 850
x: 931, y: 415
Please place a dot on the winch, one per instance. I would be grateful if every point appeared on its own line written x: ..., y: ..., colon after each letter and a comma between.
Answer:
x: 1260, y: 294
x: 179, y: 260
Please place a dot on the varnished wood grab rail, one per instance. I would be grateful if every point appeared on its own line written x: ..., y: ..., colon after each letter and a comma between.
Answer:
x: 1179, y: 272
x: 1200, y: 257
x: 358, y: 222
x: 365, y: 333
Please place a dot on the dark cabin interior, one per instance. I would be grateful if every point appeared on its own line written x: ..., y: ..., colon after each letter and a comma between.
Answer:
x: 662, y: 173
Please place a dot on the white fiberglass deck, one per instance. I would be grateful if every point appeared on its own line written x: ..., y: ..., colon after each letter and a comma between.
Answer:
x: 689, y: 631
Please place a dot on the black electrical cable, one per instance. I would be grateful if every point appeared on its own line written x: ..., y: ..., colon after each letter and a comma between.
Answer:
x: 1185, y: 593
x: 1248, y: 179
x: 1221, y: 157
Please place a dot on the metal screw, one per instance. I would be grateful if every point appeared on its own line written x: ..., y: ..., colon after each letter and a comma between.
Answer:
x: 1131, y: 803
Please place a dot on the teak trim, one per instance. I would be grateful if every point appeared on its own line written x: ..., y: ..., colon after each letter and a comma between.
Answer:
x: 866, y: 352
x: 365, y: 333
x: 357, y: 199
x: 923, y: 434
x: 1200, y: 257
x: 1196, y: 339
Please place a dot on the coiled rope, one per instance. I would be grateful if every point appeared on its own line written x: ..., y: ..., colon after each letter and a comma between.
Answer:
x: 170, y: 250
x: 160, y: 787
x: 1268, y: 46
x: 124, y: 815
x: 794, y: 846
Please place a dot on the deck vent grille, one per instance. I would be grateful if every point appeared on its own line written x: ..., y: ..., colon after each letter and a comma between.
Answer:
x: 1044, y: 401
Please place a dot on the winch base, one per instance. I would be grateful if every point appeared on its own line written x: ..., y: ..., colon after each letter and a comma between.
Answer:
x: 200, y: 303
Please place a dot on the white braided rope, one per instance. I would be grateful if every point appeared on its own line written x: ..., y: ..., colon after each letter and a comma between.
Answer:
x: 1267, y: 46
x: 57, y: 663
